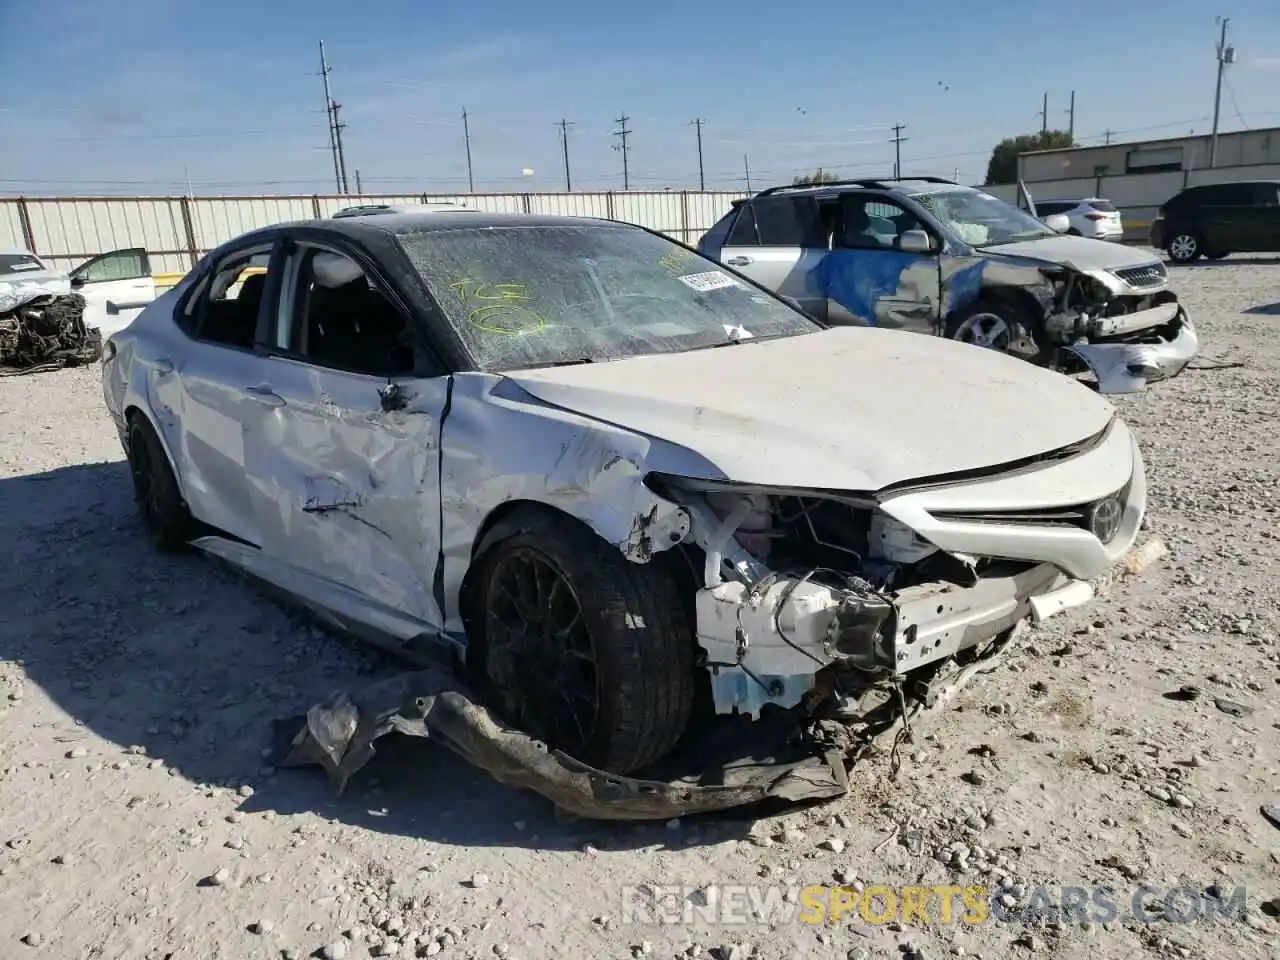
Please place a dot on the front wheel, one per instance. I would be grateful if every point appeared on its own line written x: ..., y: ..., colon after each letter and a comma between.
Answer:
x: 580, y: 647
x: 164, y: 513
x: 997, y: 325
x: 1184, y: 247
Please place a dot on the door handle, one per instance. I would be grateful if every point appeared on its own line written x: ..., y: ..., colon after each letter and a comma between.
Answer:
x: 164, y: 366
x: 738, y: 261
x: 263, y: 394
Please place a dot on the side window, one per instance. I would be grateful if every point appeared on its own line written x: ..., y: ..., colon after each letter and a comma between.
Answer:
x: 1266, y: 194
x: 224, y: 308
x: 788, y: 221
x: 117, y: 265
x: 1229, y: 195
x: 333, y: 315
x: 1048, y: 209
x: 715, y: 238
x: 744, y: 229
x: 873, y: 223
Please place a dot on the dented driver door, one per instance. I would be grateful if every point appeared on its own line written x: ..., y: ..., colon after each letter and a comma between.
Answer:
x: 342, y: 451
x: 345, y: 480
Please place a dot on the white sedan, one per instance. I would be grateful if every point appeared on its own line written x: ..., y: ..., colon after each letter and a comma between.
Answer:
x: 621, y: 482
x: 115, y: 285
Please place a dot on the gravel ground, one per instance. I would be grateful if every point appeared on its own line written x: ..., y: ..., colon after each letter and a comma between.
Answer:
x: 137, y: 819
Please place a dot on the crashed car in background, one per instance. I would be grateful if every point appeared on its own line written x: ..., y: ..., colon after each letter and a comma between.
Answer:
x: 49, y: 318
x: 625, y: 491
x: 931, y: 256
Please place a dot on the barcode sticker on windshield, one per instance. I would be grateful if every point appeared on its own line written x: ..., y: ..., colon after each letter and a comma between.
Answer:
x: 711, y: 280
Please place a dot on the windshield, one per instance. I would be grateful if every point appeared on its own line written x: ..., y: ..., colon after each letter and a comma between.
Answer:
x: 540, y: 295
x: 19, y: 263
x: 980, y: 219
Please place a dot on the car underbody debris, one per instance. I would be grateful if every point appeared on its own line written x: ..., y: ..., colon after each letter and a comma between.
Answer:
x: 784, y: 757
x: 47, y: 332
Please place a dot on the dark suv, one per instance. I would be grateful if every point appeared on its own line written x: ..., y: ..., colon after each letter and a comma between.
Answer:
x: 1216, y: 219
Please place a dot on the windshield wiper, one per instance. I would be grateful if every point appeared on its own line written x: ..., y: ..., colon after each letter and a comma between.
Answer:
x: 574, y: 362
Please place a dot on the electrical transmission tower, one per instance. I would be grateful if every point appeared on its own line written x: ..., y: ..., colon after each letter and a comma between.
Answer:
x: 702, y: 179
x: 564, y: 126
x: 1226, y: 55
x: 328, y: 115
x: 897, y: 140
x: 624, y: 148
x: 466, y: 139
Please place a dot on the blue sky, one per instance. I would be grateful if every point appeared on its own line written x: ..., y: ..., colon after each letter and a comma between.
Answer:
x: 140, y: 96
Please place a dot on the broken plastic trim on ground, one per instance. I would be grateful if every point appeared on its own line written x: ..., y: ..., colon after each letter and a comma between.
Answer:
x: 782, y: 757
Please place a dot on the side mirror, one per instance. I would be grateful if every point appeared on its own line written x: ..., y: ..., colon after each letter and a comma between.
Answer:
x: 794, y: 304
x: 77, y: 281
x: 915, y: 241
x: 1058, y: 222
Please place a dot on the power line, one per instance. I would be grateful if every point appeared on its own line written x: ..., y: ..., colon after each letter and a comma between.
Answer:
x: 622, y: 133
x: 564, y: 126
x: 466, y: 138
x: 702, y: 179
x: 897, y: 140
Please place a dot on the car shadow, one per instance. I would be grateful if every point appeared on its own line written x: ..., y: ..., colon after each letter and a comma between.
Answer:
x: 178, y: 658
x: 1231, y: 260
x: 1265, y: 309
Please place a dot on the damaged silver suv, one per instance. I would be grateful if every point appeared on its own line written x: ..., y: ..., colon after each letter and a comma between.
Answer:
x: 932, y: 256
x: 620, y: 483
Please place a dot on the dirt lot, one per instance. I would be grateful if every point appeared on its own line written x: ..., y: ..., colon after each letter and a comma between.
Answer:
x: 137, y: 818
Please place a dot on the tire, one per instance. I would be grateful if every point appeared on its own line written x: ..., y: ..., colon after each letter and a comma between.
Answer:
x: 635, y: 629
x: 1024, y: 334
x: 1184, y: 246
x: 155, y: 489
x: 1073, y: 232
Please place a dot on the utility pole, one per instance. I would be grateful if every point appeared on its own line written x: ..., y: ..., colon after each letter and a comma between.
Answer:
x: 338, y: 127
x: 1044, y: 114
x: 897, y: 141
x: 466, y: 139
x: 746, y: 168
x: 1226, y: 55
x: 359, y: 189
x: 564, y: 126
x: 1071, y: 118
x: 702, y: 180
x: 1106, y: 136
x: 622, y: 133
x: 328, y: 115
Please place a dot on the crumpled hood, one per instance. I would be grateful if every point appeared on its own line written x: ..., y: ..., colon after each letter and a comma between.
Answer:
x: 17, y: 289
x: 1083, y: 253
x: 847, y: 408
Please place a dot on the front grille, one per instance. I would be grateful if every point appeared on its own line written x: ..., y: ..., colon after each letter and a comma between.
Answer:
x: 1076, y: 515
x: 1147, y: 275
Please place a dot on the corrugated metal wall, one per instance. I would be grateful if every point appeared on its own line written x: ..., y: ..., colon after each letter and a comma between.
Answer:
x: 178, y: 230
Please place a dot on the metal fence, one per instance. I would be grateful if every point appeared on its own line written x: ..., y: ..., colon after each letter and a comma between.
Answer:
x: 177, y: 231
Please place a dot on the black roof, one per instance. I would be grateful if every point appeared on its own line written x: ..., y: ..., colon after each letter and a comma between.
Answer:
x: 383, y: 228
x: 406, y: 223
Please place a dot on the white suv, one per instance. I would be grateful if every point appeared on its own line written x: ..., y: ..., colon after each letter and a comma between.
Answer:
x: 1090, y: 217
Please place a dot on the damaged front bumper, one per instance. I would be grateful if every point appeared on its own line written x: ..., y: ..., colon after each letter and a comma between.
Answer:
x: 772, y: 646
x: 921, y: 588
x: 1129, y: 351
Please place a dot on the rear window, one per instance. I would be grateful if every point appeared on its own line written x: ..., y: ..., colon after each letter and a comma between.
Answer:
x: 1103, y: 206
x: 19, y: 263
